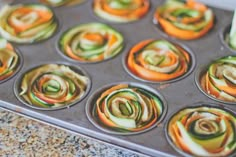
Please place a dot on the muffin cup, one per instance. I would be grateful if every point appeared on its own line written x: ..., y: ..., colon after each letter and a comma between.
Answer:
x: 78, y: 70
x: 195, y: 105
x: 224, y: 37
x: 90, y: 106
x: 20, y: 63
x: 104, y: 20
x: 158, y: 26
x: 198, y: 75
x: 56, y: 19
x: 190, y: 70
x: 61, y: 53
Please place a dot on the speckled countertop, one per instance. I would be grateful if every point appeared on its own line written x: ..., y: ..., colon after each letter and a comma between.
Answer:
x: 23, y: 137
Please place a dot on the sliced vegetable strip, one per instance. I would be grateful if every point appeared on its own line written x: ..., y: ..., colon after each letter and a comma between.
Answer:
x: 203, y: 131
x: 232, y: 34
x: 53, y: 85
x: 9, y: 60
x: 158, y: 60
x: 27, y: 23
x: 220, y: 79
x: 58, y: 3
x: 121, y: 10
x: 128, y: 109
x: 91, y: 42
x: 184, y: 20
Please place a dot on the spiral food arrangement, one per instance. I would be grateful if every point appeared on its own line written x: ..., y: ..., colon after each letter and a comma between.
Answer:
x: 158, y: 60
x: 53, y: 86
x: 219, y: 80
x: 121, y: 10
x: 9, y: 60
x: 92, y: 42
x: 27, y: 23
x: 203, y: 131
x: 58, y: 3
x: 125, y: 108
x: 184, y: 20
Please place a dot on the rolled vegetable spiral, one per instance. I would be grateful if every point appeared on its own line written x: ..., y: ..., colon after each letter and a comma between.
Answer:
x: 121, y: 10
x: 158, y: 60
x: 203, y: 131
x: 128, y: 109
x: 58, y: 3
x: 27, y: 23
x: 219, y: 80
x: 184, y: 20
x: 53, y: 85
x: 91, y: 42
x: 9, y: 60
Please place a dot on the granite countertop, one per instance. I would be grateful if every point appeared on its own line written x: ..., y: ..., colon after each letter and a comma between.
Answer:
x: 23, y: 137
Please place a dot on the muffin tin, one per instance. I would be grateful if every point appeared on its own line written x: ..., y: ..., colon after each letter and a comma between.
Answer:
x: 177, y: 94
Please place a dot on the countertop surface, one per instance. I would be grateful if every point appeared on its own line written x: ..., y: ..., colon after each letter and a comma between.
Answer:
x: 24, y: 137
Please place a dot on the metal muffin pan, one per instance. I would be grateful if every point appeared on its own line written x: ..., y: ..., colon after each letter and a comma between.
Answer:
x: 177, y: 94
